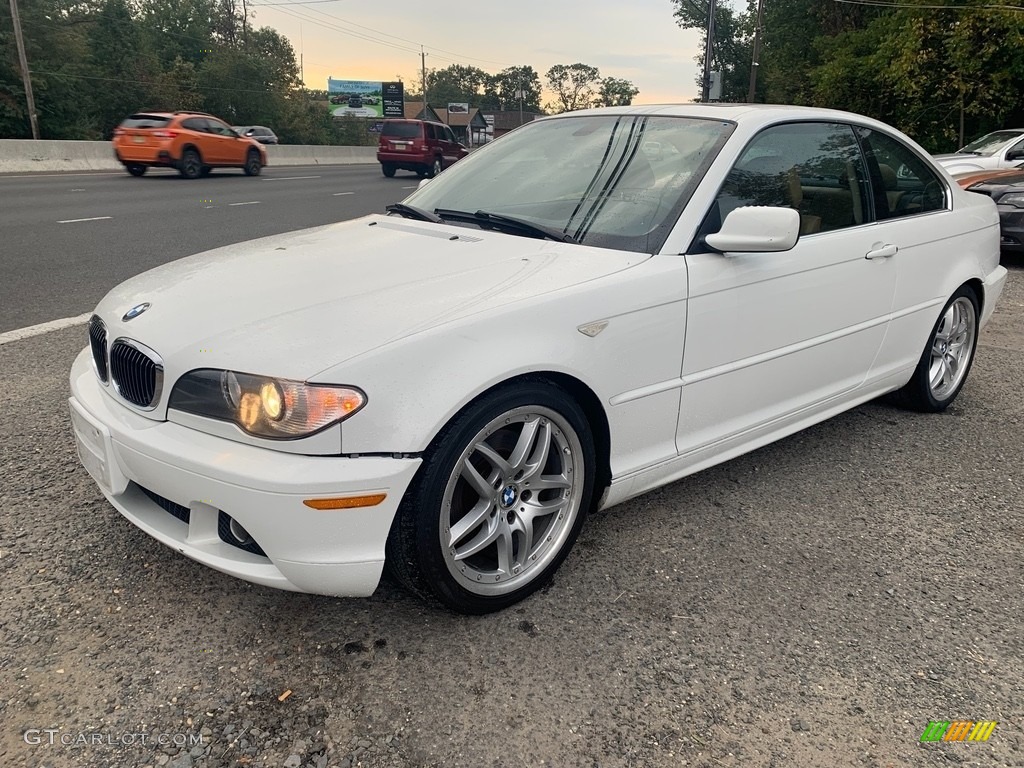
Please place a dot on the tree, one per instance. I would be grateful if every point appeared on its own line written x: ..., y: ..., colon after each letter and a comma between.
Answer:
x: 574, y: 86
x: 505, y: 86
x: 456, y: 83
x: 616, y: 93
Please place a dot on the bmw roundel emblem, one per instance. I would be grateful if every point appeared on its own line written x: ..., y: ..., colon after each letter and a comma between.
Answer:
x: 135, y: 311
x: 508, y: 496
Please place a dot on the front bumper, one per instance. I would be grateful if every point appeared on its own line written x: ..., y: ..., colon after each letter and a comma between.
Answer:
x: 994, y: 283
x: 1011, y: 228
x: 203, y: 478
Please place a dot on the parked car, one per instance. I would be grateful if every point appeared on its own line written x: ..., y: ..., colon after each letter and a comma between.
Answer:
x: 192, y: 142
x: 260, y: 133
x: 339, y: 98
x: 417, y: 145
x: 355, y: 102
x: 1006, y: 188
x: 558, y: 323
x: 1000, y: 149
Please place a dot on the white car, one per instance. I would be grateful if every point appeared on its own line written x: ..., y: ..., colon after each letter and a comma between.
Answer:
x: 560, y: 322
x: 1000, y: 149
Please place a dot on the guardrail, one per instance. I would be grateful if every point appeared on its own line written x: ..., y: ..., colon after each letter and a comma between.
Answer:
x: 27, y: 156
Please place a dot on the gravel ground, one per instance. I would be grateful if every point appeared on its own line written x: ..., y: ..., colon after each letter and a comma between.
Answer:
x: 814, y: 603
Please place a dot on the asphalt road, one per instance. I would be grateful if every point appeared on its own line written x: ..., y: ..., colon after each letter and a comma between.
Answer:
x: 66, y: 239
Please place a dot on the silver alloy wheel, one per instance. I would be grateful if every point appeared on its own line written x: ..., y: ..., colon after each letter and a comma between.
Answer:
x: 952, y: 348
x: 437, y: 168
x: 512, y: 500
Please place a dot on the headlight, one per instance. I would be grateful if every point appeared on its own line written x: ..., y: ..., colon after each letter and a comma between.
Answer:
x: 264, y: 406
x: 1016, y: 199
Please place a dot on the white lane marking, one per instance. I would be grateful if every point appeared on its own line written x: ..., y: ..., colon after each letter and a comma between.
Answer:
x: 338, y: 194
x: 408, y: 187
x: 251, y: 202
x: 78, y: 190
x: 290, y: 178
x: 38, y: 330
x: 93, y: 218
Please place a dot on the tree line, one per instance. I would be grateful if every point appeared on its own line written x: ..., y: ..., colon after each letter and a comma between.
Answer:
x: 94, y: 62
x: 913, y: 64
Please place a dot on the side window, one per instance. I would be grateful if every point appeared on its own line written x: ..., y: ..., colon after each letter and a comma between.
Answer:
x: 219, y: 128
x: 902, y: 183
x: 814, y: 168
x: 1016, y: 152
x: 194, y: 124
x: 449, y: 134
x: 429, y: 128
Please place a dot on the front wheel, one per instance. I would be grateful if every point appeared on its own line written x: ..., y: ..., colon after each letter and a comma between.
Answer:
x: 946, y: 361
x: 435, y: 168
x: 135, y: 169
x: 252, y: 164
x: 499, y: 501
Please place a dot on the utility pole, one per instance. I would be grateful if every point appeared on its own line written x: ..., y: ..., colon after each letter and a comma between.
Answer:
x: 25, y: 75
x: 708, y: 50
x: 755, y: 61
x: 423, y: 73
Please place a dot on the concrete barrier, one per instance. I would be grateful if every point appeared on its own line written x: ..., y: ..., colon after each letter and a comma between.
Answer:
x: 28, y: 156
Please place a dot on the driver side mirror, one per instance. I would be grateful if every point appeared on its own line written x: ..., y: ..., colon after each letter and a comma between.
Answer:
x: 757, y: 229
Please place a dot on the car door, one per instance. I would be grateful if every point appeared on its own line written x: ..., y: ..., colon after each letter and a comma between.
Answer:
x: 771, y: 335
x: 230, y: 149
x: 452, y: 147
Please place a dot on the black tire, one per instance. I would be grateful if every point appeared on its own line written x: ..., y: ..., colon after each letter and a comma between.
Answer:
x: 135, y: 169
x: 436, y: 167
x: 388, y: 169
x: 252, y: 165
x: 541, y: 523
x: 191, y: 165
x: 954, y: 337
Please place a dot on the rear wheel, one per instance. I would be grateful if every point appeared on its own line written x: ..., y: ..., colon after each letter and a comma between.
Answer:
x: 499, y: 501
x: 252, y: 163
x: 135, y: 169
x: 388, y: 169
x: 191, y: 166
x: 946, y: 360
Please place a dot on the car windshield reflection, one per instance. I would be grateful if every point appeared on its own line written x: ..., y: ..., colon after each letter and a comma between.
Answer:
x: 613, y: 181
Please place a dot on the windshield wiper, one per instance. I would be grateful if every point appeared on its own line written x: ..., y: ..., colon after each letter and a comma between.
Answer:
x: 501, y: 221
x: 412, y: 212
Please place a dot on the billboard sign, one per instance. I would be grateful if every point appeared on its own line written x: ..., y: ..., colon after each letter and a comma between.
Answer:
x: 393, y: 99
x: 357, y: 98
x: 461, y: 108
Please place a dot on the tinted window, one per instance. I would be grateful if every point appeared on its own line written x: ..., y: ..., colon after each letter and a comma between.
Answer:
x: 903, y: 183
x: 194, y: 124
x: 145, y: 121
x: 404, y: 130
x: 449, y: 134
x: 814, y: 168
x: 216, y: 126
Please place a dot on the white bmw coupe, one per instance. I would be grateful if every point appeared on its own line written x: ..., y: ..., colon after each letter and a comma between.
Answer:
x: 595, y: 305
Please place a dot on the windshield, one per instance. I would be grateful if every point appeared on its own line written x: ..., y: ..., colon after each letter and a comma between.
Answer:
x: 611, y: 181
x: 990, y: 143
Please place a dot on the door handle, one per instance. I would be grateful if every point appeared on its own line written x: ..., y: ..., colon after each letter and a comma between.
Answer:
x: 881, y: 251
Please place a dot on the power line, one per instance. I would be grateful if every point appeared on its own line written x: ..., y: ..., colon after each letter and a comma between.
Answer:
x: 152, y: 83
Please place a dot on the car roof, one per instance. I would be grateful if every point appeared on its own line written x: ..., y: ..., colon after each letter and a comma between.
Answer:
x: 752, y: 115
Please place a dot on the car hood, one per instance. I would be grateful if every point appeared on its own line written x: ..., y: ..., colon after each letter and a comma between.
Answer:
x: 295, y: 304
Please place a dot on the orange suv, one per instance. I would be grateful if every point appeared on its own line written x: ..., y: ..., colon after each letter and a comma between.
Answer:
x: 192, y: 142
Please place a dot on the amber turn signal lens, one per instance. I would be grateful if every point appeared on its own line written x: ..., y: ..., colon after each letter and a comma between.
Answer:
x: 346, y: 502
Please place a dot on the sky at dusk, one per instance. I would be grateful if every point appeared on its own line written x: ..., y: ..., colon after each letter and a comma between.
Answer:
x: 637, y: 40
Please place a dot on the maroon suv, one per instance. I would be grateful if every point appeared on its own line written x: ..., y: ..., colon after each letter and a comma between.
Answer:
x: 417, y: 145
